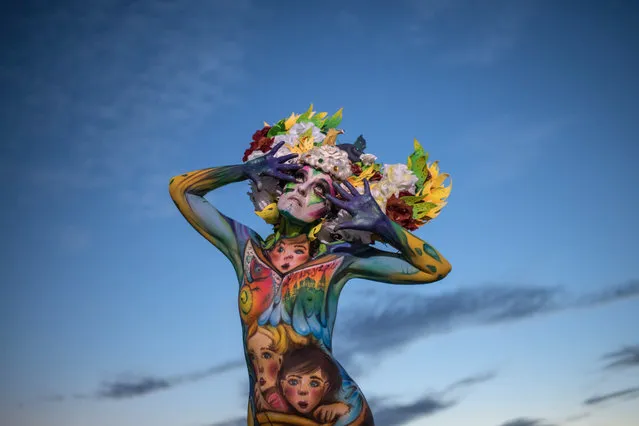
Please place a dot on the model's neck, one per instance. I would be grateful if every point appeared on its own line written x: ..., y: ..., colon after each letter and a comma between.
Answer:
x: 288, y: 228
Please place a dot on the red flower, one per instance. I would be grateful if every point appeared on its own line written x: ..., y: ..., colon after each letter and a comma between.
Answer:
x: 356, y: 169
x: 400, y: 212
x: 260, y: 142
x: 376, y: 177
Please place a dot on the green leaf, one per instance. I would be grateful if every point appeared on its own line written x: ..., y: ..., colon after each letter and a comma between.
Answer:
x: 334, y: 121
x: 421, y: 209
x: 418, y: 164
x: 277, y: 129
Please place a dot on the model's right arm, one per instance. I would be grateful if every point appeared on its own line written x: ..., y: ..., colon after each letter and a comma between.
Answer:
x: 188, y: 190
x: 229, y: 236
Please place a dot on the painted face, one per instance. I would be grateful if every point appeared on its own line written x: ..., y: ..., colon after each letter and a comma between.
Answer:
x: 287, y: 254
x: 302, y: 201
x: 304, y: 391
x: 266, y: 362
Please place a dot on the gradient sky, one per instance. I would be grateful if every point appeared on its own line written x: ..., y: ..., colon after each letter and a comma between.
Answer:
x: 115, y: 312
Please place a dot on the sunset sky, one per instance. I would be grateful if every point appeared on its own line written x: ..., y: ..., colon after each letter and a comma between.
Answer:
x: 115, y: 312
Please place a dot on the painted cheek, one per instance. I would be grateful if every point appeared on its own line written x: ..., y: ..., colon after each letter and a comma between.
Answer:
x: 315, y: 396
x: 289, y: 393
x: 272, y: 369
x: 315, y: 199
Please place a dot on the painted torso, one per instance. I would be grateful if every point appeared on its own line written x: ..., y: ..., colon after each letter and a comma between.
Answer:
x: 285, y: 317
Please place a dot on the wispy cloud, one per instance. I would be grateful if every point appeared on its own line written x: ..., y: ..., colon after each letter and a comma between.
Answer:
x: 624, y: 394
x: 139, y: 386
x: 400, y: 414
x: 391, y: 322
x: 374, y: 332
x: 477, y: 33
x: 120, y: 89
x: 623, y: 358
x: 525, y: 421
x: 577, y: 417
x: 508, y: 145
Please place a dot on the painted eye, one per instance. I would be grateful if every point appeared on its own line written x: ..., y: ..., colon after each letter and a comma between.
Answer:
x: 300, y: 251
x: 315, y: 383
x: 267, y: 355
x: 280, y: 250
x: 292, y: 382
x: 319, y: 189
x: 299, y: 177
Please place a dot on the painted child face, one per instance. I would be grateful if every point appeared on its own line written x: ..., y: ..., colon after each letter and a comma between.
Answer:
x: 304, y: 391
x: 287, y: 254
x: 266, y: 362
x: 303, y: 200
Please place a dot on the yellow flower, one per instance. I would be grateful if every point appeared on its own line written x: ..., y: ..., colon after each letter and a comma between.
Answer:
x: 270, y: 214
x: 358, y: 181
x: 291, y: 121
x: 331, y: 136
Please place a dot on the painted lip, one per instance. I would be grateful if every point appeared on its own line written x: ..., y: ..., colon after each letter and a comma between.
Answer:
x: 286, y: 266
x: 297, y: 200
x: 303, y: 404
x: 262, y: 381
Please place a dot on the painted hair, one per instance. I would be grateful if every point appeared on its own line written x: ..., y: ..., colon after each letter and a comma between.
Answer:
x: 282, y: 336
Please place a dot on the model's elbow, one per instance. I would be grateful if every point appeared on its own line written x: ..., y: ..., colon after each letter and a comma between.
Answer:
x: 444, y: 269
x: 174, y: 186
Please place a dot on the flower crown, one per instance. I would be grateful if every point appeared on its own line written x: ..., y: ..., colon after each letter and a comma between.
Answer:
x: 410, y: 194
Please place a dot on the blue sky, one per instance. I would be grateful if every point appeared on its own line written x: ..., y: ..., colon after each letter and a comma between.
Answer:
x: 116, y: 312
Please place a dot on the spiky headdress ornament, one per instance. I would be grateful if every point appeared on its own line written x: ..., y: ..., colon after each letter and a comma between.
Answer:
x: 410, y: 194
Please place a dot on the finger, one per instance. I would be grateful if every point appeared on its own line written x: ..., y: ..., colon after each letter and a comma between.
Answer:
x: 277, y: 146
x: 341, y: 191
x: 367, y: 187
x: 351, y: 188
x: 286, y: 157
x: 351, y: 225
x: 337, y: 202
x: 281, y: 176
x: 289, y: 166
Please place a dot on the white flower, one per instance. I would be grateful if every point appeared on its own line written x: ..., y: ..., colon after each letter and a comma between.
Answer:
x: 368, y: 159
x: 399, y: 177
x: 379, y: 197
x: 287, y: 138
x: 328, y: 159
x: 395, y: 179
x: 300, y: 128
x: 255, y: 154
x: 284, y: 150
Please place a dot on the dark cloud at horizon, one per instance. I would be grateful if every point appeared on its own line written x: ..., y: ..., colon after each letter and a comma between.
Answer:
x: 400, y: 414
x: 471, y: 381
x: 138, y: 386
x: 406, y: 317
x: 624, y: 394
x: 390, y: 413
x: 526, y: 421
x: 626, y: 357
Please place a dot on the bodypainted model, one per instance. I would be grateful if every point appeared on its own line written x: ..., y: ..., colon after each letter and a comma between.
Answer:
x: 328, y: 204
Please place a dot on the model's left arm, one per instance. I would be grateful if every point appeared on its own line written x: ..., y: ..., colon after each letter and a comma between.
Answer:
x: 416, y: 262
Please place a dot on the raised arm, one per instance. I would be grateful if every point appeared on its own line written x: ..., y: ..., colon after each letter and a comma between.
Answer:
x: 416, y: 263
x: 188, y: 190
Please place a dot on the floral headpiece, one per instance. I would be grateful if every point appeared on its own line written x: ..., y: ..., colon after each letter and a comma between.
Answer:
x: 410, y: 194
